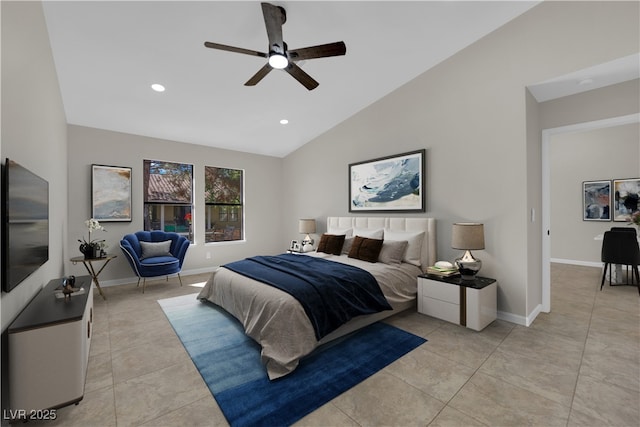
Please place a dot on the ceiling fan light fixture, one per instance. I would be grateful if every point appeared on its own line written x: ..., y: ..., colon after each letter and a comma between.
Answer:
x: 157, y: 87
x: 278, y: 61
x: 278, y: 54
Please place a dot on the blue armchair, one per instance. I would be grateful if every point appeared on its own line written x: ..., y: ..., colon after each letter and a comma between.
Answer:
x: 154, y: 253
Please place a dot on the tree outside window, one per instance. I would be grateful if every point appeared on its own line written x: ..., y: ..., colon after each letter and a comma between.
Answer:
x: 224, y: 200
x: 168, y: 197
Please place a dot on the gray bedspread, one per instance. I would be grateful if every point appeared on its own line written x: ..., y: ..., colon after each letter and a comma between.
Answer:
x: 278, y: 322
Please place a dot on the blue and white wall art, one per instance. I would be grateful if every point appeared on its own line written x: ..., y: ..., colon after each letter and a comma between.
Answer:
x: 388, y: 184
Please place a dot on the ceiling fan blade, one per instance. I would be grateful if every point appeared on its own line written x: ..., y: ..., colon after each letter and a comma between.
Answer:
x: 259, y: 75
x: 320, y: 51
x: 305, y: 79
x: 235, y: 49
x: 274, y: 18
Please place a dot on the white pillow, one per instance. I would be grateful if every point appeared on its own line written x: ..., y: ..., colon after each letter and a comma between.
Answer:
x: 414, y: 247
x: 370, y: 234
x: 348, y: 232
x: 392, y: 251
x: 153, y: 249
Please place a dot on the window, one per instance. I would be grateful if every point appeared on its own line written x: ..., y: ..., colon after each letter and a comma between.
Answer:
x: 168, y: 197
x: 224, y: 200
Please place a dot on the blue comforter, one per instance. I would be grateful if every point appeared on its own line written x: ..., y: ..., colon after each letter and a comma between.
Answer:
x: 331, y: 293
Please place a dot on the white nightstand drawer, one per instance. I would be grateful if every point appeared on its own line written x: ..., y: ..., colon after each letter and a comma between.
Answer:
x: 441, y: 291
x: 441, y: 309
x: 471, y: 304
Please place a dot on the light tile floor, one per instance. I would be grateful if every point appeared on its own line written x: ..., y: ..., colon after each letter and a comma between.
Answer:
x: 576, y: 366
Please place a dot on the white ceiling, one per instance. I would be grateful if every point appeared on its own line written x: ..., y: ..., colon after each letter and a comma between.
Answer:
x: 107, y: 55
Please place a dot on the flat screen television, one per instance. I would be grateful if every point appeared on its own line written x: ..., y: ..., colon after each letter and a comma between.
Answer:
x: 25, y: 224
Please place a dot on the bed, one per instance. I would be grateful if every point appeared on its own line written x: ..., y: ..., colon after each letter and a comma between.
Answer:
x: 279, y: 322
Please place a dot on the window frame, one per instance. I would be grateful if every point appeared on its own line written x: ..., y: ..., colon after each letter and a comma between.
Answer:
x: 227, y: 213
x: 184, y: 219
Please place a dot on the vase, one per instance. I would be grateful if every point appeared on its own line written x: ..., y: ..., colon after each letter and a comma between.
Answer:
x: 89, y: 251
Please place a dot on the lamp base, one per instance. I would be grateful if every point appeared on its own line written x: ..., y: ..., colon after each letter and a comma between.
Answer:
x: 468, y: 266
x: 307, y: 244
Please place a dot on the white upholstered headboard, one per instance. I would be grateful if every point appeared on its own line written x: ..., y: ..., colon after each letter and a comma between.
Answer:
x: 428, y: 225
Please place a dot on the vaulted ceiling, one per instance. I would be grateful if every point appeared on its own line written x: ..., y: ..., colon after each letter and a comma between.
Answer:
x: 108, y: 54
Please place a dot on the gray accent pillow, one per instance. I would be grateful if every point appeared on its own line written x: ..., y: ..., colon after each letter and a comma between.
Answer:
x: 153, y: 249
x: 413, y: 253
x: 346, y: 247
x: 392, y: 251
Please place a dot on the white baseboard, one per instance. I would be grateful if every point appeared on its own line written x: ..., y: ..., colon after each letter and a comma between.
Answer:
x: 576, y: 262
x: 512, y: 318
x: 532, y: 316
x: 520, y: 320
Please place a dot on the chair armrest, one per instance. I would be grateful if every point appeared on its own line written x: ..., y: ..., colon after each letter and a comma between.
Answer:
x: 183, y: 245
x: 130, y: 254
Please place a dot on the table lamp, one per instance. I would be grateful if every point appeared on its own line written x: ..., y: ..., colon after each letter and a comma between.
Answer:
x: 307, y: 226
x: 468, y: 236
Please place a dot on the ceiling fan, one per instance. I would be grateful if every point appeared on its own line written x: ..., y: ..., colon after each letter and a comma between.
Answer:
x: 279, y: 56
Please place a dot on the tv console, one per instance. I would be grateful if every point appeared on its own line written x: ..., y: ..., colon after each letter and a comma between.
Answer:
x: 49, y: 350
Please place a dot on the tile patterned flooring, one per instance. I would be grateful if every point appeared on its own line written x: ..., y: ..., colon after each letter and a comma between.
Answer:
x: 576, y: 366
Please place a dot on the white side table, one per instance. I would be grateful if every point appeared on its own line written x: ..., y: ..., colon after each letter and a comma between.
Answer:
x: 470, y: 304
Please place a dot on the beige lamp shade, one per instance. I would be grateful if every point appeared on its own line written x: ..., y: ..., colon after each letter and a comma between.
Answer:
x: 467, y: 236
x: 306, y: 226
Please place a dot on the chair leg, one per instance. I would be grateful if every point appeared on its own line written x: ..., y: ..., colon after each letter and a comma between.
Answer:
x: 604, y: 275
x: 144, y: 283
x: 180, y: 278
x: 138, y: 285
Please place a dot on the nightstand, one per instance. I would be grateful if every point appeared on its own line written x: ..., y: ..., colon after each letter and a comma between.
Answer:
x: 470, y: 304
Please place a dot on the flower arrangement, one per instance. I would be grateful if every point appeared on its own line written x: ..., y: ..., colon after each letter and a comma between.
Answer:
x: 187, y: 217
x: 90, y: 247
x: 635, y: 219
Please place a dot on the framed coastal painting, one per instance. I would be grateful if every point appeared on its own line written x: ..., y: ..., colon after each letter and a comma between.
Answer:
x: 626, y: 193
x: 388, y: 184
x: 596, y: 201
x: 110, y: 193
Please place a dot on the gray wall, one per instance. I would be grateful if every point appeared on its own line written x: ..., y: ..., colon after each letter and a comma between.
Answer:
x: 34, y: 132
x: 262, y: 174
x: 472, y: 113
x: 601, y: 154
x: 612, y: 101
x: 469, y: 112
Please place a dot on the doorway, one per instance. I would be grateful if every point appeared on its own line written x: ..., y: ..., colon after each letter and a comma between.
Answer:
x: 547, y: 136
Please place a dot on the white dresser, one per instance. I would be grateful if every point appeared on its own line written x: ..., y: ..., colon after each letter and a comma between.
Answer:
x: 470, y: 304
x: 49, y: 345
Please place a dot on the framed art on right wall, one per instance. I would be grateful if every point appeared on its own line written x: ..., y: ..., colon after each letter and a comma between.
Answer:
x: 596, y: 201
x: 626, y: 195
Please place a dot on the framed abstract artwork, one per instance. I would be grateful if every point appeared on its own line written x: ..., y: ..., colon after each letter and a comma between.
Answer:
x: 626, y: 193
x: 110, y: 193
x: 388, y: 184
x: 596, y: 201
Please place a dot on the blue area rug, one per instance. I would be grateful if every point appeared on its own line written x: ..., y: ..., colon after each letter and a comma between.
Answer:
x: 229, y: 362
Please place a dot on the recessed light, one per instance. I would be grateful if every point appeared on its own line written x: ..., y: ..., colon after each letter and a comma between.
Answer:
x: 284, y: 121
x: 157, y: 87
